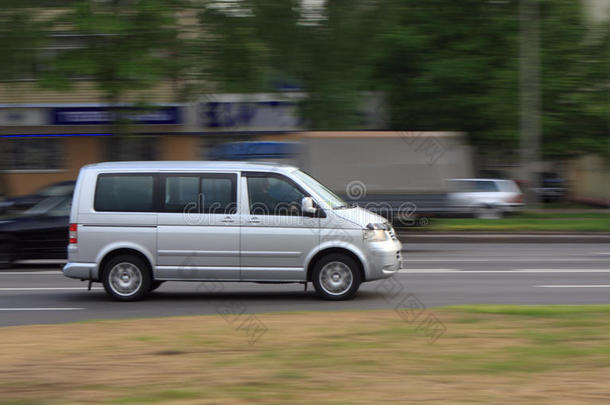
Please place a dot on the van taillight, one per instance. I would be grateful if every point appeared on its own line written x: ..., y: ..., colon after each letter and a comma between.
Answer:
x: 73, y: 237
x: 518, y: 199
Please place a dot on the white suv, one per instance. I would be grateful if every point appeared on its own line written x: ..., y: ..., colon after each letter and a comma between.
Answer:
x: 485, y: 198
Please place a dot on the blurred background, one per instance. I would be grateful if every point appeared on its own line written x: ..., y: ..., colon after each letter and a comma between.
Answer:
x: 399, y: 95
x: 446, y: 116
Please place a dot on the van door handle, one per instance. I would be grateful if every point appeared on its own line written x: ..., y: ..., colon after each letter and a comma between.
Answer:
x: 228, y: 220
x: 254, y: 220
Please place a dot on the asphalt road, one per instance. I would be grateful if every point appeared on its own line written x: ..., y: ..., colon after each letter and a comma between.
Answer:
x: 437, y: 275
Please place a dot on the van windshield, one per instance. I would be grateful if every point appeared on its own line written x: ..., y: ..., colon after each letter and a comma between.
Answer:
x: 330, y: 198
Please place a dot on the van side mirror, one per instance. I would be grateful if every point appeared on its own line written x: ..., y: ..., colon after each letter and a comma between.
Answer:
x: 307, y: 207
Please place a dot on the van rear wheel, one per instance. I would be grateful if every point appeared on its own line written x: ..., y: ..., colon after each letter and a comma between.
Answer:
x: 336, y: 277
x: 127, y: 278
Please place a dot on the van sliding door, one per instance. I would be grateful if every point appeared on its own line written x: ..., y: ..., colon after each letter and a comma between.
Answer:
x: 198, y: 228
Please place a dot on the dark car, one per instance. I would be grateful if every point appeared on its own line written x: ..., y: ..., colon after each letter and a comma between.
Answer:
x: 551, y: 187
x: 17, y: 204
x: 39, y: 233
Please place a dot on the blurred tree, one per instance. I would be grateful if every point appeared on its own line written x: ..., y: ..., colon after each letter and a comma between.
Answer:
x: 22, y: 35
x: 454, y: 66
x: 125, y: 45
x: 21, y: 38
x: 575, y: 80
x: 340, y: 52
x: 234, y: 56
x: 444, y: 65
x: 263, y: 45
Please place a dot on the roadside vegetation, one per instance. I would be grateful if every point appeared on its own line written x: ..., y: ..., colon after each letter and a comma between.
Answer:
x: 488, y: 354
x: 332, y: 52
x: 526, y: 222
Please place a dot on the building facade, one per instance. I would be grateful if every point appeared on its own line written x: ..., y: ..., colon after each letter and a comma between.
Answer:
x: 47, y: 142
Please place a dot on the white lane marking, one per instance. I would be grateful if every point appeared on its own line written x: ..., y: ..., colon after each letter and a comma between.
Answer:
x: 46, y: 288
x: 509, y: 260
x: 41, y: 309
x: 488, y: 234
x: 562, y: 270
x: 407, y: 271
x: 575, y: 286
x: 509, y: 271
x: 16, y: 273
x: 42, y: 261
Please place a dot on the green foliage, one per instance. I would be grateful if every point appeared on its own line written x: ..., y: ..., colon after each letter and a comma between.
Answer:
x: 127, y: 45
x: 453, y: 66
x: 575, y: 59
x: 442, y: 64
x: 21, y: 35
x: 258, y: 45
x: 518, y: 224
x: 236, y: 56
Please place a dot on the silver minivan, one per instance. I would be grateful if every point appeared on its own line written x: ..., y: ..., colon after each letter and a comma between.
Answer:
x: 135, y: 225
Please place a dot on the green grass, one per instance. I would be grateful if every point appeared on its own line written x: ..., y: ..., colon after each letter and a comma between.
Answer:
x: 330, y: 357
x: 562, y: 215
x: 526, y: 223
x: 533, y: 310
x: 551, y: 338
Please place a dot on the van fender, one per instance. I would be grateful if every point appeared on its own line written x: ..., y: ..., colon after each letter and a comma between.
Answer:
x: 125, y: 245
x: 341, y: 245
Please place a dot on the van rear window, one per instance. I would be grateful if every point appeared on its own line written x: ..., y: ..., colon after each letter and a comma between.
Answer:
x: 127, y: 193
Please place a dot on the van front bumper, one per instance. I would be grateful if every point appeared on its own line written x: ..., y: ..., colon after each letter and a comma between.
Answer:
x: 81, y: 271
x: 385, y: 259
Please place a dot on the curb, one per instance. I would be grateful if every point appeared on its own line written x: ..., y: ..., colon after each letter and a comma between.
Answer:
x: 481, y: 237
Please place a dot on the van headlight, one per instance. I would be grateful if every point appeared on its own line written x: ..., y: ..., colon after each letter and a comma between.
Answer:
x: 376, y: 233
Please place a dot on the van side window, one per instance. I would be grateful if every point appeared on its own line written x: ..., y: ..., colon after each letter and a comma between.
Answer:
x: 212, y: 193
x: 181, y: 192
x: 218, y: 194
x: 273, y: 195
x: 126, y: 193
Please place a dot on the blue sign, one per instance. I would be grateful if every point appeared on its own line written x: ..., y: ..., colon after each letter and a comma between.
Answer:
x: 258, y: 115
x: 106, y: 115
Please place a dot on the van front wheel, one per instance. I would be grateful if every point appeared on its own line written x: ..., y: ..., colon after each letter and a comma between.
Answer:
x: 126, y: 278
x: 336, y: 277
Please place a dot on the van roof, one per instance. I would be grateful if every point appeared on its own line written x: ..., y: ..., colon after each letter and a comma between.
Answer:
x: 190, y: 165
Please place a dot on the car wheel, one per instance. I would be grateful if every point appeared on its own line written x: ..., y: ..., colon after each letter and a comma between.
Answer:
x: 336, y: 277
x: 127, y: 278
x: 155, y: 284
x: 488, y: 212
